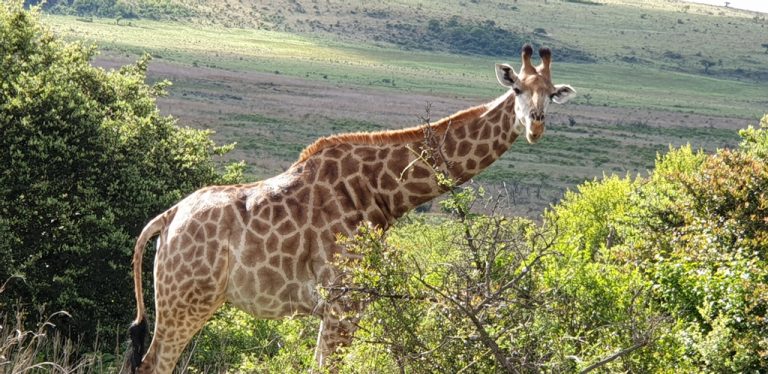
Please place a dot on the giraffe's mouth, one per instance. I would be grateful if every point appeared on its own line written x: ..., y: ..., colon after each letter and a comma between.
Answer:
x: 534, y: 135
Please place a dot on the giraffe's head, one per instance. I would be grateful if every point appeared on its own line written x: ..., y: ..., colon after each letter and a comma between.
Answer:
x: 533, y: 91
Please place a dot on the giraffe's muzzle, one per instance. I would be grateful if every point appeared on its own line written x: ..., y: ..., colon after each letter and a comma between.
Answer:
x: 537, y: 130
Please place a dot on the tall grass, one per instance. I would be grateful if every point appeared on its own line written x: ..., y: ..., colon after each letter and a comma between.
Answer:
x: 42, y: 349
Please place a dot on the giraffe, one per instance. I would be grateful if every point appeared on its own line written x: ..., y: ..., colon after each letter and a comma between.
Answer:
x: 267, y: 247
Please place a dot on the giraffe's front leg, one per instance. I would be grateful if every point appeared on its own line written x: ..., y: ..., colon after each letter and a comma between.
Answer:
x: 339, y: 310
x: 340, y: 313
x: 336, y: 331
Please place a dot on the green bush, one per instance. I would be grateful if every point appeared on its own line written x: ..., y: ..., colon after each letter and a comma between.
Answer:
x: 151, y: 9
x: 444, y: 305
x: 707, y: 235
x: 597, y: 284
x: 486, y: 293
x: 87, y: 159
x: 755, y: 141
x: 690, y: 240
x: 235, y: 341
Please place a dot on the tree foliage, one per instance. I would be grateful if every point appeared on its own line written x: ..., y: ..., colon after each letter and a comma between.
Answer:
x: 487, y: 293
x: 459, y: 35
x: 87, y: 159
x: 694, y: 233
x: 705, y: 232
x: 447, y: 296
x: 150, y: 9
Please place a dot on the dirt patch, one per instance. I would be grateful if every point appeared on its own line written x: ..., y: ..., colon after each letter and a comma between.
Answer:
x: 199, y: 94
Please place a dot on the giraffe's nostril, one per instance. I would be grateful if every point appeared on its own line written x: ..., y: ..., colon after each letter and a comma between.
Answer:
x: 537, y: 116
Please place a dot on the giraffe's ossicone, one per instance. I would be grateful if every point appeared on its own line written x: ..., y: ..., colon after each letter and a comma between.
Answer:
x: 266, y: 247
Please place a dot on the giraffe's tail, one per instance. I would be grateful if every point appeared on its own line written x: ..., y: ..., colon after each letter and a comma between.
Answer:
x: 138, y: 330
x: 138, y: 334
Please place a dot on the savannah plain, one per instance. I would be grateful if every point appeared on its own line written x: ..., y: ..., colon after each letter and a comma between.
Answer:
x: 273, y: 76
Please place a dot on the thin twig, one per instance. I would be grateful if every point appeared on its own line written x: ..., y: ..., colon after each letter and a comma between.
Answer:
x: 614, y: 356
x: 484, y: 336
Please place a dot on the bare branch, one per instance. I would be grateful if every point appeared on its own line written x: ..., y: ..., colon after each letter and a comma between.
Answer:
x: 614, y: 356
x: 511, y: 283
x: 479, y: 327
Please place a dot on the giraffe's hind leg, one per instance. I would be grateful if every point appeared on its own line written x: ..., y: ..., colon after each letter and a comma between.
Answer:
x: 188, y: 290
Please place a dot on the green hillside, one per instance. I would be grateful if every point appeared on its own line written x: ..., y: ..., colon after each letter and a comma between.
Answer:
x: 637, y: 66
x: 664, y: 34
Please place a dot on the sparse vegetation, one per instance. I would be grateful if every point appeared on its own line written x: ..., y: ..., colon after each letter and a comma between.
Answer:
x: 461, y: 36
x: 585, y: 2
x: 707, y: 64
x: 120, y: 9
x: 30, y: 341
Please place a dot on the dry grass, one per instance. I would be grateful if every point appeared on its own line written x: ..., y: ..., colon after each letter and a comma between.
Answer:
x: 42, y: 349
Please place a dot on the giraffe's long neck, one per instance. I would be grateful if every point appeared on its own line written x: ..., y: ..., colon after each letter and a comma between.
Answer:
x: 378, y: 177
x: 470, y: 147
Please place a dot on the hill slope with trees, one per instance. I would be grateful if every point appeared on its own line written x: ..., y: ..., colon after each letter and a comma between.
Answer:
x: 718, y: 41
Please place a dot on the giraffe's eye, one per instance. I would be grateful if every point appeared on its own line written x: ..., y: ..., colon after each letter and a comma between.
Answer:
x: 517, y: 91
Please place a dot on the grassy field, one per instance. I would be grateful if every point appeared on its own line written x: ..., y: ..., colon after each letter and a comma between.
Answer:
x: 610, y: 30
x: 614, y: 84
x: 273, y: 92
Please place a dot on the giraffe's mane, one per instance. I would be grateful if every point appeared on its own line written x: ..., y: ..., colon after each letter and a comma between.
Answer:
x: 407, y: 135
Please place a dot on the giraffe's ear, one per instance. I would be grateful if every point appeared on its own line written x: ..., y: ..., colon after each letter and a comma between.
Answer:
x: 563, y: 93
x: 506, y: 75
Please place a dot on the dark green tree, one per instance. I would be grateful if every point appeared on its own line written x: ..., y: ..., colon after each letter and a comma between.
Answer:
x: 707, y: 64
x: 86, y: 160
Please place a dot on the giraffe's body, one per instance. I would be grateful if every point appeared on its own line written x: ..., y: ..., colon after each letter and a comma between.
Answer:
x: 266, y: 247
